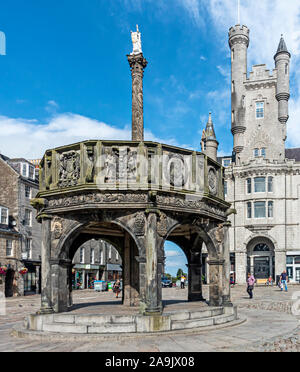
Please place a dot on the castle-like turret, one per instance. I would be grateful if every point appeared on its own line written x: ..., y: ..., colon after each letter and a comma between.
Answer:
x: 209, y: 143
x: 282, y: 64
x: 238, y: 42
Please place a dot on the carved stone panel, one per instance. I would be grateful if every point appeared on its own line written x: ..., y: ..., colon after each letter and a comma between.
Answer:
x: 212, y: 181
x: 139, y: 224
x: 69, y: 170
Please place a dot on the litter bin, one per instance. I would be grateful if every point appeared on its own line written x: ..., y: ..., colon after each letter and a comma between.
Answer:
x: 98, y: 285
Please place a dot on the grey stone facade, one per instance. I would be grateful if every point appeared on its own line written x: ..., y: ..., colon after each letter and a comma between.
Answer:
x: 262, y: 178
x: 20, y: 237
x: 96, y: 259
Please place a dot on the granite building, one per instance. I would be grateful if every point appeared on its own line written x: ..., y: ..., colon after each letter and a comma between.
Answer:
x: 20, y: 233
x: 262, y: 177
x: 95, y: 260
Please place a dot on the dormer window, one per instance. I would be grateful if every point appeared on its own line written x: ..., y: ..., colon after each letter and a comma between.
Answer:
x: 27, y: 171
x: 259, y: 110
x: 3, y: 215
x: 256, y: 153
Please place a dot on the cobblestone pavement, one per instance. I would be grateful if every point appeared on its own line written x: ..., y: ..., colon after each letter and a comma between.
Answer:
x: 270, y: 325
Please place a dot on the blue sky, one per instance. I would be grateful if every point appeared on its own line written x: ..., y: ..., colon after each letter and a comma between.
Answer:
x: 65, y: 76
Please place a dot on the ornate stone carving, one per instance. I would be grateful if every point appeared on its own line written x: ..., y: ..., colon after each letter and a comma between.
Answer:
x: 90, y: 164
x: 136, y: 41
x: 212, y: 181
x: 57, y: 227
x: 139, y: 224
x: 69, y: 171
x: 131, y: 165
x: 162, y: 225
x: 98, y: 197
x: 111, y: 165
x: 175, y: 170
x: 137, y: 64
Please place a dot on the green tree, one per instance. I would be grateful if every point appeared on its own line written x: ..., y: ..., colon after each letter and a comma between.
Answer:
x: 179, y: 273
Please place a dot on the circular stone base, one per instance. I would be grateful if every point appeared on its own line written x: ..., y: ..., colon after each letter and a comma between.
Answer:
x: 68, y: 324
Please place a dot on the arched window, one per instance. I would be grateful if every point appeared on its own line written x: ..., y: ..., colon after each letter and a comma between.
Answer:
x: 261, y: 248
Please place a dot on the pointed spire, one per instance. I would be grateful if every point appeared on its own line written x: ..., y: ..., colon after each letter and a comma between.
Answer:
x: 282, y: 48
x: 209, y: 131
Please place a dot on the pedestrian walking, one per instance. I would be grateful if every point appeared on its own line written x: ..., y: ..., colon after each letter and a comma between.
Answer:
x: 182, y: 281
x: 250, y: 285
x: 117, y: 286
x: 270, y: 281
x: 284, y: 279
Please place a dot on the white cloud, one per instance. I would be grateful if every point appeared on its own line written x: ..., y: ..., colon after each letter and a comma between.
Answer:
x: 30, y: 138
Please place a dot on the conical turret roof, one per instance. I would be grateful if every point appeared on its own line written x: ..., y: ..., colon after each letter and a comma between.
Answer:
x: 209, y: 130
x: 282, y: 48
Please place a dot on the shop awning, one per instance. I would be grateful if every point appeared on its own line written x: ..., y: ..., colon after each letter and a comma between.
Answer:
x: 113, y: 267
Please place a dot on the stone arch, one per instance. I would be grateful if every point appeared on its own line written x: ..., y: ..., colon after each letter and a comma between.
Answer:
x: 260, y: 256
x: 201, y: 232
x: 261, y: 236
x: 73, y: 231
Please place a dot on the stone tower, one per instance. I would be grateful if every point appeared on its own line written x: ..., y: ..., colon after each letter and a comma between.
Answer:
x: 209, y: 143
x: 238, y: 42
x: 282, y: 63
x: 259, y: 102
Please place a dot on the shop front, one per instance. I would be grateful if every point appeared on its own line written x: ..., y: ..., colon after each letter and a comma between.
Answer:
x: 293, y: 266
x: 32, y: 277
x: 114, y: 272
x: 84, y: 275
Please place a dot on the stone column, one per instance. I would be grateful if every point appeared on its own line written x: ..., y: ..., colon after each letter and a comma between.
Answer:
x: 241, y: 267
x: 46, y: 303
x: 195, y: 282
x: 60, y: 285
x: 280, y: 262
x: 137, y: 64
x: 126, y: 271
x: 226, y: 267
x: 215, y: 282
x: 153, y: 298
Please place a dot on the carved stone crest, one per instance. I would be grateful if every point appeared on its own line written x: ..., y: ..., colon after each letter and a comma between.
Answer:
x: 57, y: 227
x: 69, y: 171
x: 139, y: 224
x: 162, y: 225
x: 175, y: 170
x: 212, y: 181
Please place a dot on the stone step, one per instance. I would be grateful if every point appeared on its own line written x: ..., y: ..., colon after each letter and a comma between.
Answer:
x: 199, y: 314
x: 204, y: 322
x: 88, y: 328
x: 92, y: 319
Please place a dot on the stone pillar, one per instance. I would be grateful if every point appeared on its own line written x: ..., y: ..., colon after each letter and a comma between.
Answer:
x: 195, y: 282
x: 226, y: 267
x: 215, y: 282
x: 241, y: 267
x: 46, y: 303
x: 60, y: 285
x: 126, y: 271
x: 137, y: 64
x: 153, y: 297
x: 130, y: 273
x: 280, y: 262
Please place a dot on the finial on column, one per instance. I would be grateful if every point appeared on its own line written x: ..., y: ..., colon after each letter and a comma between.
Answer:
x: 137, y: 63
